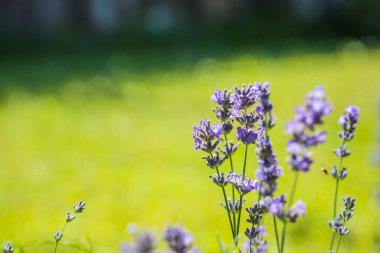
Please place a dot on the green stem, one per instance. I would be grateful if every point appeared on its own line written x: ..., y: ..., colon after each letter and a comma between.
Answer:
x: 228, y: 209
x: 332, y: 241
x: 336, y: 195
x: 56, y: 242
x: 241, y: 196
x: 233, y: 188
x: 291, y: 197
x: 337, y: 246
x: 276, y: 232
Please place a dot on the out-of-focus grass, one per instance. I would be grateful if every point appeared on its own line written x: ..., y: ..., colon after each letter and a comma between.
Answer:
x: 121, y: 141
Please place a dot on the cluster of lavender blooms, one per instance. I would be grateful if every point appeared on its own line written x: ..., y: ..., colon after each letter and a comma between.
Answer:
x: 177, y: 239
x: 348, y: 121
x: 8, y: 248
x: 77, y: 208
x: 250, y: 110
x: 338, y: 224
x: 302, y: 129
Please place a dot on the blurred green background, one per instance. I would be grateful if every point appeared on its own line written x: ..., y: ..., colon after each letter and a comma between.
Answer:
x: 108, y: 120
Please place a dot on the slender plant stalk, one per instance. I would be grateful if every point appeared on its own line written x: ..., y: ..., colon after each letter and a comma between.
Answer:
x: 276, y: 233
x: 241, y: 196
x: 337, y: 246
x: 56, y: 242
x: 228, y: 209
x: 291, y: 197
x: 233, y: 188
x: 336, y: 196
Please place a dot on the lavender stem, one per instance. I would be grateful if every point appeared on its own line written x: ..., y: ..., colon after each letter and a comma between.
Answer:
x: 228, y: 209
x: 241, y: 196
x: 291, y: 196
x: 56, y: 242
x: 276, y: 233
x: 233, y: 188
x: 336, y: 195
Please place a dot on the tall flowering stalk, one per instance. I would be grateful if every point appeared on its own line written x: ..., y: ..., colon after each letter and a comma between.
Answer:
x: 241, y: 107
x: 78, y: 208
x: 250, y: 110
x: 348, y: 122
x: 304, y: 136
x: 268, y: 170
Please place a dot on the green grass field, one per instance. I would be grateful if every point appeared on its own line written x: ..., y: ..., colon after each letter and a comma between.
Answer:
x: 121, y: 140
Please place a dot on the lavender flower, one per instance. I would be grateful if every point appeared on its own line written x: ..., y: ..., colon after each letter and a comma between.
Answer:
x: 245, y: 97
x: 144, y: 243
x: 214, y: 160
x: 263, y: 89
x: 58, y: 236
x: 348, y: 121
x: 223, y: 99
x: 230, y: 149
x: 69, y: 217
x: 243, y: 184
x: 219, y: 179
x: 338, y: 224
x: 246, y: 135
x: 207, y: 136
x: 79, y: 207
x: 8, y: 248
x: 299, y: 158
x: 257, y: 244
x: 302, y: 129
x: 178, y: 239
x: 233, y: 207
x: 255, y: 213
x: 297, y: 210
x: 268, y: 171
x: 276, y: 205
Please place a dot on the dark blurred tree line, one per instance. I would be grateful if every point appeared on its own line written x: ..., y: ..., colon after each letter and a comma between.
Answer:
x: 107, y: 17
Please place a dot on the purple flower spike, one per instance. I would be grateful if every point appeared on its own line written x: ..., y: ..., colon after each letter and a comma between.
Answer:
x: 299, y: 157
x: 245, y: 97
x: 302, y: 129
x: 297, y: 210
x: 178, y: 239
x: 276, y: 206
x: 223, y: 99
x: 317, y: 105
x: 243, y: 184
x: 348, y: 121
x: 268, y: 171
x: 267, y: 106
x: 8, y: 248
x: 207, y: 136
x: 247, y: 136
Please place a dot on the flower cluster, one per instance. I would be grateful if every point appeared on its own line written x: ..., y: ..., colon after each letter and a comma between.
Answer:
x: 250, y: 109
x: 144, y: 242
x: 8, y: 248
x: 302, y: 129
x: 338, y: 224
x: 255, y: 235
x: 268, y: 172
x: 267, y: 107
x: 178, y: 239
x: 207, y: 136
x: 243, y: 184
x: 348, y: 121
